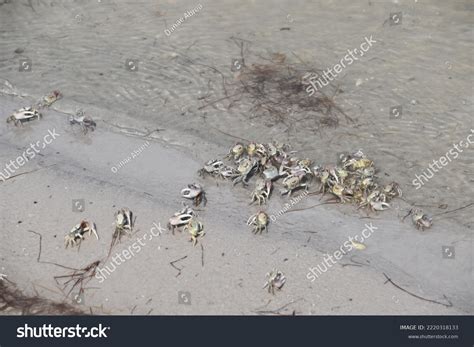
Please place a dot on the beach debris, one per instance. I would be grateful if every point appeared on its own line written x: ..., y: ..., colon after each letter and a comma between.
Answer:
x: 76, y: 235
x: 78, y: 278
x: 24, y: 115
x: 357, y: 245
x: 259, y: 222
x: 421, y: 220
x: 180, y: 218
x: 85, y: 122
x: 195, y: 192
x: 275, y: 280
x: 50, y: 99
x: 195, y: 229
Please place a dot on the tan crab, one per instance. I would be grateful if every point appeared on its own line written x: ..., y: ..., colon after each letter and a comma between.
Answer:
x: 275, y: 280
x: 236, y: 151
x: 420, y: 219
x: 259, y: 221
x: 246, y: 168
x: 292, y: 183
x: 195, y: 229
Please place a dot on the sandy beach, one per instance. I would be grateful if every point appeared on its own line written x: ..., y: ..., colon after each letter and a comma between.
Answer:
x: 158, y: 125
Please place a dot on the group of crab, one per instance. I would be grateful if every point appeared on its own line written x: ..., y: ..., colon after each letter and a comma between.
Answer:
x: 353, y: 179
x: 268, y: 163
x: 124, y: 223
x: 30, y: 113
x: 186, y: 219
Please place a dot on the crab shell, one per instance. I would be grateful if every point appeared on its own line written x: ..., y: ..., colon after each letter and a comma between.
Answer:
x: 262, y: 218
x: 24, y: 114
x: 192, y: 191
x: 180, y: 219
x: 124, y: 219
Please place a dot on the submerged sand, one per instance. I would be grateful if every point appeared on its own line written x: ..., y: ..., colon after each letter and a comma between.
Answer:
x: 158, y: 107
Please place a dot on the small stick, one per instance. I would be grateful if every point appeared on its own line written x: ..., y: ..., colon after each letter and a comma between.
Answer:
x: 307, y: 208
x: 416, y: 296
x: 175, y: 261
x: 457, y: 209
x: 47, y: 262
x: 202, y: 255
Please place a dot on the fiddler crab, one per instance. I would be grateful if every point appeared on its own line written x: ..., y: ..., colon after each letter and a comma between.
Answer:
x: 194, y: 191
x: 124, y: 221
x: 420, y: 219
x: 259, y: 222
x: 236, y: 152
x: 246, y: 169
x: 275, y: 280
x: 76, y: 235
x: 85, y: 122
x: 51, y: 98
x: 217, y: 168
x: 262, y: 191
x: 292, y: 183
x: 24, y: 115
x: 195, y: 229
x: 180, y: 219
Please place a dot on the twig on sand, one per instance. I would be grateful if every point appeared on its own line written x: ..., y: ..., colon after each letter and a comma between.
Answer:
x: 28, y: 172
x: 79, y: 277
x: 223, y: 132
x: 417, y: 296
x: 278, y: 310
x: 202, y: 255
x: 177, y: 268
x: 307, y: 208
x: 38, y: 259
x: 457, y: 209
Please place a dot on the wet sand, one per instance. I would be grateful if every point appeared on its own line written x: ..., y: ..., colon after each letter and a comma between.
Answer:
x: 78, y: 57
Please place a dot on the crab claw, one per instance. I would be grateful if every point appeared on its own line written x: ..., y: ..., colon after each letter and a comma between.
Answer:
x: 93, y: 229
x: 191, y: 191
x: 379, y: 205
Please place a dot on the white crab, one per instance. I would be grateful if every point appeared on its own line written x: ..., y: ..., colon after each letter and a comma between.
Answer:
x: 24, y: 115
x: 180, y: 218
x: 85, y: 122
x: 76, y: 235
x: 194, y: 191
x: 124, y: 221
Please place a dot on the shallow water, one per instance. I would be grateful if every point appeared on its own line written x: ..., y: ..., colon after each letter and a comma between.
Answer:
x: 423, y: 65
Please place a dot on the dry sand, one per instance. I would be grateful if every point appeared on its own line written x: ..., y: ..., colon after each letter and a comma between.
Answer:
x: 85, y: 60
